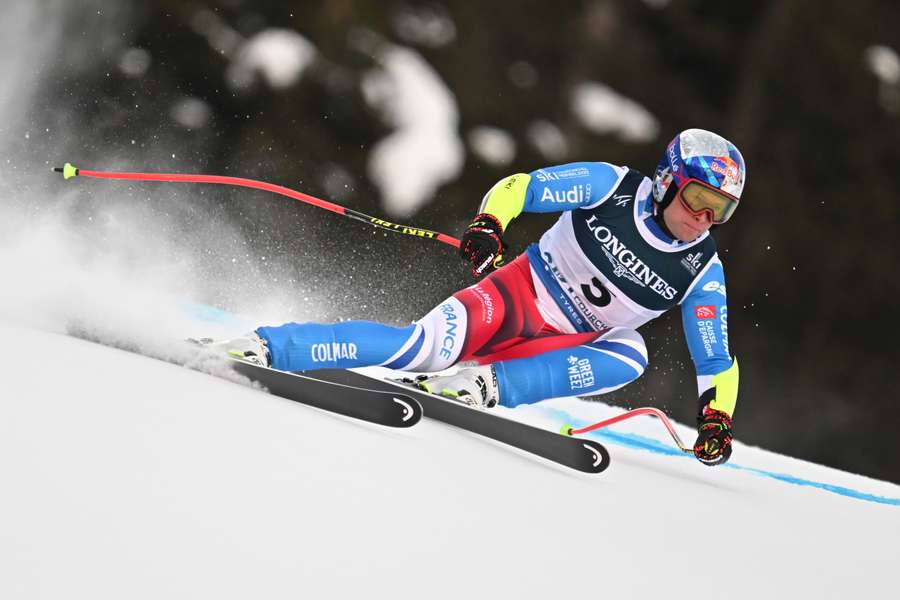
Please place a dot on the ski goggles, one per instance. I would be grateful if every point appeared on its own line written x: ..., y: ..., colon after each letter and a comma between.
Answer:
x: 699, y: 197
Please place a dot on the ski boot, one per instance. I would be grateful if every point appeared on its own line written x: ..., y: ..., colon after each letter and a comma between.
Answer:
x: 248, y: 348
x: 475, y: 386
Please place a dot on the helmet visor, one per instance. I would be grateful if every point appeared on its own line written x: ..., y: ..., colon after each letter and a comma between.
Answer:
x: 698, y: 197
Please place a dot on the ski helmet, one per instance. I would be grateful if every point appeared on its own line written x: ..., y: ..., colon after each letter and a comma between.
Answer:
x: 708, y: 160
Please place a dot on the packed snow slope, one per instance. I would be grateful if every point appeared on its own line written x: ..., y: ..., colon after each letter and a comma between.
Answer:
x: 129, y: 477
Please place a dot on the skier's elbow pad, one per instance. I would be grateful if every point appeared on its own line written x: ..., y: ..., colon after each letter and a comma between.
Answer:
x: 507, y: 198
x: 725, y: 385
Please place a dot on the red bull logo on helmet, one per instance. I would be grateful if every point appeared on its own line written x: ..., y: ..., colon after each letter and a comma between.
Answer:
x: 729, y: 170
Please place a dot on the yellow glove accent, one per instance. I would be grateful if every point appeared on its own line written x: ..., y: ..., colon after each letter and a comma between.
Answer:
x: 507, y: 198
x: 726, y: 385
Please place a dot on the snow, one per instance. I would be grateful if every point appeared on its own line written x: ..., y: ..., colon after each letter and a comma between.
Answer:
x: 884, y: 63
x: 430, y: 26
x: 191, y: 113
x: 135, y: 62
x: 132, y: 477
x: 27, y: 38
x: 603, y: 110
x: 548, y: 139
x: 425, y: 150
x: 522, y: 74
x: 492, y: 145
x: 338, y: 182
x: 279, y: 56
x: 219, y: 35
x: 126, y: 476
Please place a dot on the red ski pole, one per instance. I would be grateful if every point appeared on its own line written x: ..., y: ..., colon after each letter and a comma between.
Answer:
x: 69, y: 171
x: 568, y: 430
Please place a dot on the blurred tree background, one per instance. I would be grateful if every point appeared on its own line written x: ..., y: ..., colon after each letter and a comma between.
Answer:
x: 810, y: 92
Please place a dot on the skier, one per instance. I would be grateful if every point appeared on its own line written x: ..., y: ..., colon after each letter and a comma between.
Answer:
x: 561, y: 319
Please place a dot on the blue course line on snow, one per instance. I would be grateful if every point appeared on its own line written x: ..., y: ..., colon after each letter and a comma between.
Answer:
x: 640, y: 442
x: 828, y: 487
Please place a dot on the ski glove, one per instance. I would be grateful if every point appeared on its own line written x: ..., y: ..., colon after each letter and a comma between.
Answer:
x: 713, y: 445
x: 482, y: 244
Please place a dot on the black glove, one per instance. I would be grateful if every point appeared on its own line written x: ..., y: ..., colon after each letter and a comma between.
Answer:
x: 713, y: 445
x: 482, y: 244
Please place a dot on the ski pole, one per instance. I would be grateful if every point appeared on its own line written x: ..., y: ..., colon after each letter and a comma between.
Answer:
x: 569, y: 430
x: 69, y: 171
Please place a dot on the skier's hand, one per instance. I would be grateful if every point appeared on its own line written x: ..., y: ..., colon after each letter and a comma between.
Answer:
x: 713, y: 445
x: 482, y: 244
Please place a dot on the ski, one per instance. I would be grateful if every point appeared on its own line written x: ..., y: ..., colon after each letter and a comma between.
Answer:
x: 390, y: 407
x: 580, y: 454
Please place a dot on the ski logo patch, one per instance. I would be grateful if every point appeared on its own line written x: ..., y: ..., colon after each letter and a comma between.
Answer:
x: 622, y: 199
x: 597, y: 457
x: 705, y: 312
x: 333, y: 352
x: 408, y: 411
x: 581, y: 373
x: 449, y: 340
x: 578, y: 194
x: 692, y: 263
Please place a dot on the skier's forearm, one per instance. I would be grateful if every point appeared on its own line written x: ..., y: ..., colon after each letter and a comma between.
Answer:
x: 506, y: 199
x: 722, y: 392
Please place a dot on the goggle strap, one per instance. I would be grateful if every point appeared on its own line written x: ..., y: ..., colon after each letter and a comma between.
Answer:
x: 669, y: 196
